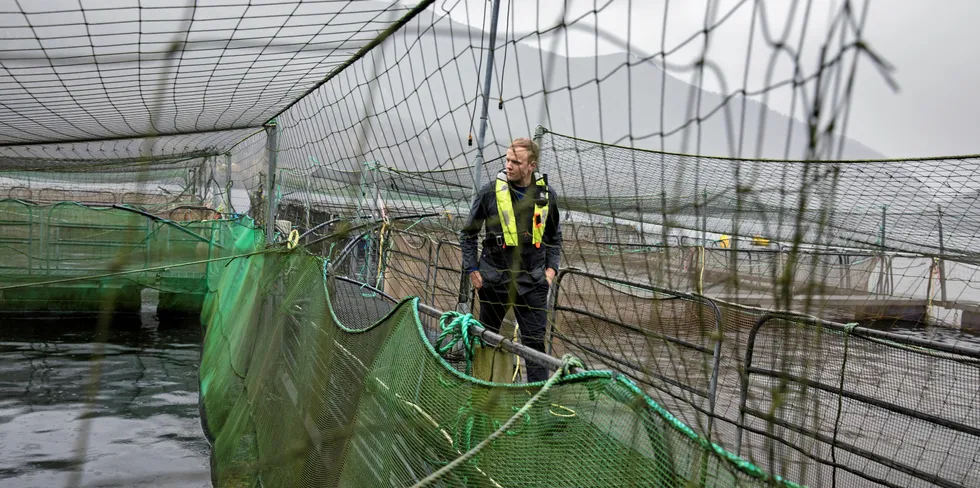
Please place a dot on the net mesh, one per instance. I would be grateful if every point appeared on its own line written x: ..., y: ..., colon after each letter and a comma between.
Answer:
x: 705, y: 180
x: 831, y: 203
x: 370, y: 402
x: 828, y: 381
x: 70, y: 257
x: 70, y: 68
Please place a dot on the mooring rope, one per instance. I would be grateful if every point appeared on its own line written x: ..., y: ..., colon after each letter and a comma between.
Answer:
x: 456, y: 326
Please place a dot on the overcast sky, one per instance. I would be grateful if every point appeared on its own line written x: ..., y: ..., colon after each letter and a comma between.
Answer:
x: 933, y: 47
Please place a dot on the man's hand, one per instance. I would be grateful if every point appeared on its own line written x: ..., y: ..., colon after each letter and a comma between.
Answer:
x: 476, y: 280
x: 549, y: 274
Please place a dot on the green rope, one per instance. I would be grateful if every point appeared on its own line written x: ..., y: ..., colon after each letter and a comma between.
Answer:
x: 568, y: 362
x: 456, y: 328
x: 363, y: 270
x: 741, y: 464
x: 848, y: 328
x: 406, y: 229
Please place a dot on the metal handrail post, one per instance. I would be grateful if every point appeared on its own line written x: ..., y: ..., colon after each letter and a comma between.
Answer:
x: 272, y: 131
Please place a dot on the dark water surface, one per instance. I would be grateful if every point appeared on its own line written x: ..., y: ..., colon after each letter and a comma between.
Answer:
x: 144, y: 429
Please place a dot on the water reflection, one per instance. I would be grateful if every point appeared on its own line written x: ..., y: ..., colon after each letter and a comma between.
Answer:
x: 144, y: 423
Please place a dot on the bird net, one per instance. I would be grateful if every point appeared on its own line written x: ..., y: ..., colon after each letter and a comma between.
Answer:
x: 734, y: 266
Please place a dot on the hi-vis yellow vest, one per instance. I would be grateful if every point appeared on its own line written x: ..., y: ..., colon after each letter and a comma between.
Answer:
x: 505, y: 210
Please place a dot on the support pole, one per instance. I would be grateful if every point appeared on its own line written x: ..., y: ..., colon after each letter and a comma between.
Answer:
x: 884, y: 209
x: 942, y: 261
x: 193, y: 181
x: 484, y: 110
x: 228, y: 169
x: 228, y: 182
x: 493, y: 339
x: 213, y: 186
x: 464, y: 282
x: 704, y: 217
x: 270, y: 182
x: 882, y: 277
x: 309, y: 198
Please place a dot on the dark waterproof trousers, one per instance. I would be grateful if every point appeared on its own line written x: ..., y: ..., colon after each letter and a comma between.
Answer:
x: 530, y: 311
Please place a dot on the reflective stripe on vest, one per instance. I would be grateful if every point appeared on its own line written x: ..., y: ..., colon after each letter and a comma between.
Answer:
x: 505, y: 210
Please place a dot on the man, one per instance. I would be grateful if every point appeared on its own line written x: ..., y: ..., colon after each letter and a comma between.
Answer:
x: 521, y: 249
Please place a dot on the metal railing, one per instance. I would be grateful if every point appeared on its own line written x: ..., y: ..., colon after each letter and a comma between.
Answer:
x: 651, y: 336
x: 830, y: 383
x: 72, y: 239
x: 747, y: 377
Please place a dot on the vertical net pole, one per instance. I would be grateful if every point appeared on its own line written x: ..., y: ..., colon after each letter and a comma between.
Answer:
x: 942, y: 253
x: 704, y: 217
x: 884, y: 209
x: 882, y: 279
x: 484, y: 109
x: 309, y: 197
x: 217, y: 193
x: 270, y: 182
x: 228, y: 184
x: 464, y: 284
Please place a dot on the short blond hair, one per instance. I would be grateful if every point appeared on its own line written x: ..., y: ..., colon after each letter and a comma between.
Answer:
x: 528, y: 145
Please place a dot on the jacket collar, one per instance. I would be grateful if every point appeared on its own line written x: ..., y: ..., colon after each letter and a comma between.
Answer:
x: 502, y: 175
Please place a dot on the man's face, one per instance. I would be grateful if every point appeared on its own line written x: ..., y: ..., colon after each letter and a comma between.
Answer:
x: 519, y: 170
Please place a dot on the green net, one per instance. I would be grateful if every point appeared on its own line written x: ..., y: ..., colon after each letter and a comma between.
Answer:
x: 308, y: 381
x: 795, y: 396
x: 705, y: 174
x: 70, y: 257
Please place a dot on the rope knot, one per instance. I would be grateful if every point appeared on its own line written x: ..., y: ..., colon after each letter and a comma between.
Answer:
x: 456, y: 329
x: 568, y: 362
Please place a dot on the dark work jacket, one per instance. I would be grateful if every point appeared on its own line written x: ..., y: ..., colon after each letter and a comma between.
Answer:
x: 499, y: 265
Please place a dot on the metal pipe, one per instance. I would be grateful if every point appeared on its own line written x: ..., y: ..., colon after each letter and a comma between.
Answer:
x: 270, y: 182
x: 166, y: 221
x: 497, y: 340
x: 484, y: 110
x: 942, y: 261
x: 491, y: 338
x: 318, y: 227
x: 228, y: 183
x: 464, y: 283
x: 428, y: 270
